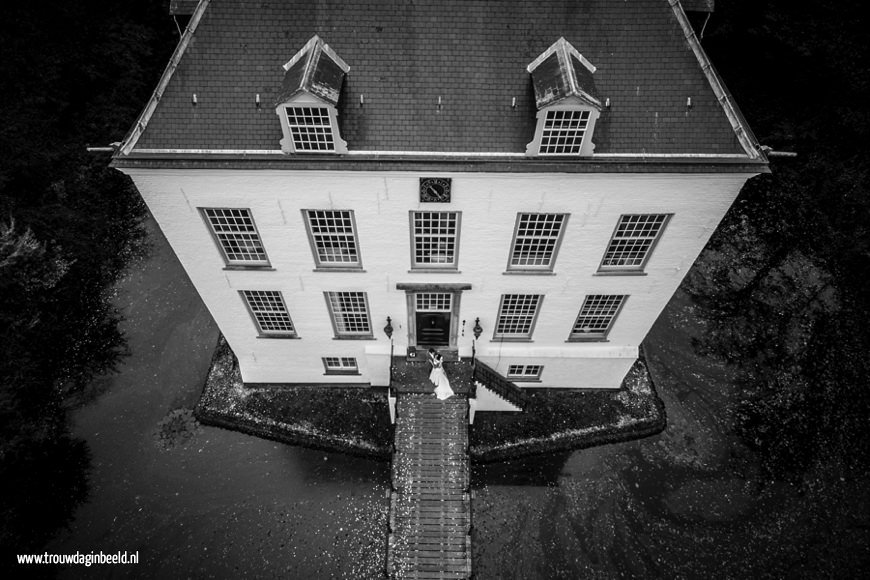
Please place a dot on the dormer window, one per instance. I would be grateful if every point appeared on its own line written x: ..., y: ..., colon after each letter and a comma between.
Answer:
x: 309, y: 96
x: 310, y: 128
x: 563, y: 132
x: 566, y: 99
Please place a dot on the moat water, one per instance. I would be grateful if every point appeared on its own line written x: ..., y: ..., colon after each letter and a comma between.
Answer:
x: 218, y: 504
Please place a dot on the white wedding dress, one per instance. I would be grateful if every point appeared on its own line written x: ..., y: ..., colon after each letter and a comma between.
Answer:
x: 439, y: 379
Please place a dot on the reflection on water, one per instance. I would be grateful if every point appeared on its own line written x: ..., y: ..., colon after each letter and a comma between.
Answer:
x: 543, y: 470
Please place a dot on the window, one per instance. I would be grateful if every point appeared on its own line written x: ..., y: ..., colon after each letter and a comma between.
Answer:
x: 350, y: 314
x: 269, y: 312
x: 516, y: 316
x: 536, y: 241
x: 333, y: 238
x: 596, y: 316
x: 340, y: 365
x: 434, y: 301
x: 563, y: 132
x: 310, y: 128
x: 236, y: 236
x: 632, y: 241
x: 434, y: 239
x: 525, y: 372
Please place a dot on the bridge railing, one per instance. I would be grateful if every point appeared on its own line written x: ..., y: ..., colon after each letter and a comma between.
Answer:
x: 496, y: 383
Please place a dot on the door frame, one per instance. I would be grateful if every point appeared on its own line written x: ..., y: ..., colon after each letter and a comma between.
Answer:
x: 411, y: 291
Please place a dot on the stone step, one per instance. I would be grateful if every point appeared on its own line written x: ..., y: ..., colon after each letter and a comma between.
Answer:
x: 432, y: 575
x: 433, y: 434
x: 429, y: 487
x: 434, y: 457
x: 448, y: 542
x: 438, y: 495
x: 411, y: 507
x: 448, y: 560
x: 447, y: 565
x: 457, y: 507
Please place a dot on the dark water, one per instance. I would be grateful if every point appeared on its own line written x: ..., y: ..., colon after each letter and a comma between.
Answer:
x: 688, y: 503
x: 221, y: 505
x: 684, y: 504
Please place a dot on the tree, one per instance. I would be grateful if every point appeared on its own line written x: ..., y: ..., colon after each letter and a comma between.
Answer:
x: 73, y: 74
x: 782, y: 280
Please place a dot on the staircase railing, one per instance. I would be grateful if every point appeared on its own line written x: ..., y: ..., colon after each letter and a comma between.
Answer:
x: 498, y: 384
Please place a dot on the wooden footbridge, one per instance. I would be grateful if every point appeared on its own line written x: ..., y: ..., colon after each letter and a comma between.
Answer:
x: 430, y: 507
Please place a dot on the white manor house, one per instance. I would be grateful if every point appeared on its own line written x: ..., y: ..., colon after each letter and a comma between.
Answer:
x: 525, y: 182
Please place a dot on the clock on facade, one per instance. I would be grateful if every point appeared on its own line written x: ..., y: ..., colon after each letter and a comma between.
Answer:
x: 435, y: 189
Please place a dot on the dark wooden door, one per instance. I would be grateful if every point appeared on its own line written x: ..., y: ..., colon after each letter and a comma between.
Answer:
x: 433, y: 328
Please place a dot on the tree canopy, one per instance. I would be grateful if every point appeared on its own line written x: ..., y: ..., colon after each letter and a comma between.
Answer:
x: 783, y: 278
x: 73, y: 74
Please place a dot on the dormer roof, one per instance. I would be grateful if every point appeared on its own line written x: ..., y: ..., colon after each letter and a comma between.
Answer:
x: 561, y: 72
x: 317, y: 70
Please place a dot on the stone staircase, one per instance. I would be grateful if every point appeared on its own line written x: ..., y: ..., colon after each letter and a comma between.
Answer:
x: 430, y: 509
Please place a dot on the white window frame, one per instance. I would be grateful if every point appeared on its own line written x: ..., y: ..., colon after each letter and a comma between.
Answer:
x: 314, y: 136
x: 288, y: 143
x: 267, y: 307
x: 433, y: 302
x: 525, y: 373
x: 597, y: 306
x: 339, y: 317
x: 535, y: 146
x: 340, y: 365
x: 332, y: 239
x: 243, y: 232
x: 525, y: 236
x: 528, y: 318
x: 451, y: 260
x: 646, y: 242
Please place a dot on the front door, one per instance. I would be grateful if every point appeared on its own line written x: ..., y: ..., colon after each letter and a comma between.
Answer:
x: 433, y: 315
x: 433, y: 328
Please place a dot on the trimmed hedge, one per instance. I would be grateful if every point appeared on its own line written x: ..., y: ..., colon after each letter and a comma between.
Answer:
x: 352, y: 420
x: 557, y: 420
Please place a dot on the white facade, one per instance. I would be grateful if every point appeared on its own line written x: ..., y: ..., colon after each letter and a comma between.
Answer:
x: 489, y: 203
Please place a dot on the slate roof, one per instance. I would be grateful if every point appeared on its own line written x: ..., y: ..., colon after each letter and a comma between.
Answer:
x: 472, y: 54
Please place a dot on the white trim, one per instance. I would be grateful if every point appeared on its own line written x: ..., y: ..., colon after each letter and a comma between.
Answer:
x: 324, y: 47
x: 437, y: 153
x: 445, y: 154
x: 304, y: 99
x: 747, y: 140
x: 213, y: 151
x: 569, y: 49
x: 671, y: 155
x: 151, y: 105
x: 305, y: 50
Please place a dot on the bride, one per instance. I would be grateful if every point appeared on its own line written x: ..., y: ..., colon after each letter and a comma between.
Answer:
x: 438, y: 378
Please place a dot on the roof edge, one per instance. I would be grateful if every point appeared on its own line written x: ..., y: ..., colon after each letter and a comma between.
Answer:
x: 139, y: 127
x: 738, y: 123
x: 461, y: 163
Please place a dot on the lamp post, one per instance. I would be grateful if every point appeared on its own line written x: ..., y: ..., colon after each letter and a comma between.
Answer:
x: 477, y: 330
x: 388, y: 330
